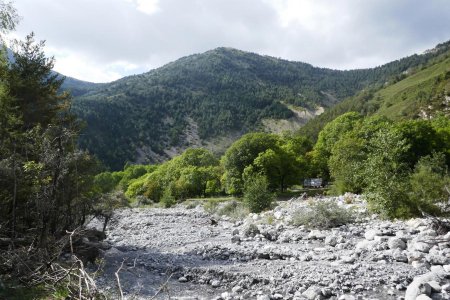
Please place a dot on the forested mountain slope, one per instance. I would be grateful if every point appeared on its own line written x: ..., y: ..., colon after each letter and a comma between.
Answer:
x: 421, y: 92
x: 222, y: 92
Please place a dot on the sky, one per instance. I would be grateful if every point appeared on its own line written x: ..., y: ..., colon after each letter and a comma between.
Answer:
x: 104, y: 40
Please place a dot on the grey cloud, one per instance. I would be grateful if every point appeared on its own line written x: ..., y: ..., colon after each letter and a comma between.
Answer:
x: 354, y: 34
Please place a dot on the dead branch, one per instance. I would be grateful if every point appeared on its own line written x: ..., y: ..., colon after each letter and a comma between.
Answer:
x: 163, y: 287
x: 118, y: 279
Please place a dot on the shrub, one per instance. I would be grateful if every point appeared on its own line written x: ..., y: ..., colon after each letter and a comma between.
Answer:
x: 211, y: 206
x: 428, y: 184
x: 322, y: 214
x: 233, y: 209
x: 167, y: 199
x: 256, y: 194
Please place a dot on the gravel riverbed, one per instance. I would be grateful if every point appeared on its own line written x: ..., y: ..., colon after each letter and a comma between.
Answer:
x: 178, y: 253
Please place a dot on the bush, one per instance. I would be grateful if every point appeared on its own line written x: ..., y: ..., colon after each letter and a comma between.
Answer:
x: 211, y: 206
x: 428, y: 184
x: 256, y: 194
x: 323, y: 214
x: 167, y: 199
x: 233, y: 209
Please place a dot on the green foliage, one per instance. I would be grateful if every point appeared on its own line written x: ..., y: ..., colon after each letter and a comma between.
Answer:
x: 167, y: 198
x: 107, y: 181
x: 429, y: 183
x: 257, y: 196
x: 241, y: 155
x: 330, y: 134
x: 323, y: 215
x: 280, y: 159
x: 194, y: 173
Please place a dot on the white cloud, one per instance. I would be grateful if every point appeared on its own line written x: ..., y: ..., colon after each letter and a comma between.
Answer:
x: 100, y: 40
x: 148, y: 7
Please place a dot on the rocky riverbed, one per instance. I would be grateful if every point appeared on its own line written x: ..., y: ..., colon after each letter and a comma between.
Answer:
x: 180, y: 253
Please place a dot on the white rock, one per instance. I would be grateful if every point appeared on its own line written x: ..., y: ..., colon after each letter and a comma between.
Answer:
x: 316, y: 235
x: 215, y: 283
x: 415, y: 245
x: 312, y: 292
x: 347, y: 259
x: 396, y: 243
x: 331, y: 240
x: 436, y: 259
x: 437, y: 273
x: 278, y: 215
x: 371, y: 234
x: 435, y: 286
x: 422, y: 297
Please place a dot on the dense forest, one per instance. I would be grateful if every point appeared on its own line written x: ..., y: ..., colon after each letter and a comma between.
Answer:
x: 223, y: 91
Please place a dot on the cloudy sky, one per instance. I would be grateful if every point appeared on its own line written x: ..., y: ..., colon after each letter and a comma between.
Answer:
x: 103, y: 40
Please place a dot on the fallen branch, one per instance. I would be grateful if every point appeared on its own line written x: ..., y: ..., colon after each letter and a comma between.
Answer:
x: 163, y: 287
x: 118, y: 279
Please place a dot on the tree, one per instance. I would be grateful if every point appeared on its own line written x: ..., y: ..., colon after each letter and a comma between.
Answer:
x: 257, y: 196
x: 430, y: 184
x: 330, y: 135
x: 386, y: 175
x: 240, y: 155
x: 34, y: 87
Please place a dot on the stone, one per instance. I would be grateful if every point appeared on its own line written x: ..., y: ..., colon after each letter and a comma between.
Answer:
x: 425, y: 288
x: 262, y: 297
x: 331, y: 240
x: 215, y: 283
x: 316, y: 235
x: 414, y: 289
x: 235, y: 232
x: 251, y: 230
x: 396, y: 243
x: 347, y: 259
x: 419, y: 246
x: 446, y: 288
x: 235, y: 239
x: 237, y: 289
x: 312, y: 292
x: 435, y: 286
x: 371, y: 234
x: 278, y: 215
x: 400, y: 256
x: 182, y: 279
x: 436, y: 259
x: 423, y: 297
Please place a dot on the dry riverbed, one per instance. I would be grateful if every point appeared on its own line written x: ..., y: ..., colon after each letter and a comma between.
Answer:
x: 178, y: 253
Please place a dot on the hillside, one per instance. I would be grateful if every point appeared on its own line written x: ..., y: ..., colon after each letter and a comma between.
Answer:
x: 421, y: 92
x: 211, y: 98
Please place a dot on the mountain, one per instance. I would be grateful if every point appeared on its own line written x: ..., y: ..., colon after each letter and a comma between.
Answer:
x: 212, y: 98
x: 419, y: 92
x: 79, y: 87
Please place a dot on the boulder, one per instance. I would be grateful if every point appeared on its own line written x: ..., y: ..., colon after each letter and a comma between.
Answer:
x: 396, y: 243
x: 414, y: 289
x: 371, y: 234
